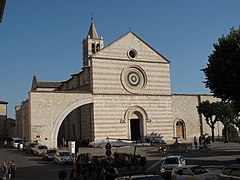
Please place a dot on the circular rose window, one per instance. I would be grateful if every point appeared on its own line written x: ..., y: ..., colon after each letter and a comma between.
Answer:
x: 133, y: 79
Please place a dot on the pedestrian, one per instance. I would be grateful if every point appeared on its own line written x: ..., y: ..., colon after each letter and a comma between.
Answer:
x: 4, y: 170
x: 195, y: 142
x: 11, y: 170
x: 200, y: 142
x: 5, y: 144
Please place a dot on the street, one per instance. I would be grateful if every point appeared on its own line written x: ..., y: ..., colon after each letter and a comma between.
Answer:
x: 33, y: 167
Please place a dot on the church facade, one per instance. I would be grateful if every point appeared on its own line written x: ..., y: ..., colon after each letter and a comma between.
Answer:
x: 122, y: 92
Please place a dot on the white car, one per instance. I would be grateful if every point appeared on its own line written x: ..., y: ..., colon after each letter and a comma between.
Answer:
x: 231, y: 171
x: 39, y: 149
x: 194, y: 172
x: 169, y: 163
x: 15, y: 141
x: 63, y: 157
x: 141, y: 177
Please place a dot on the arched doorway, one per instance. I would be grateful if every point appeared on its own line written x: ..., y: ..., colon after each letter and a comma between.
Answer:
x: 136, y: 117
x: 136, y: 126
x: 180, y: 129
x: 135, y: 129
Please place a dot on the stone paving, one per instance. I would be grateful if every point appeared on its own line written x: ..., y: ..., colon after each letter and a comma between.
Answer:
x: 220, y: 154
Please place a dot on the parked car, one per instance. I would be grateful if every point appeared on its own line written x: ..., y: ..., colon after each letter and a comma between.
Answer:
x: 141, y: 177
x: 169, y: 163
x: 38, y: 149
x: 231, y: 171
x: 28, y: 147
x: 194, y: 172
x: 15, y: 141
x: 63, y: 157
x: 48, y: 154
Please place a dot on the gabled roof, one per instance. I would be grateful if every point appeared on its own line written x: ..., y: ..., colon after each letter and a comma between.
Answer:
x: 49, y: 84
x: 36, y: 84
x: 130, y: 32
x: 149, y: 46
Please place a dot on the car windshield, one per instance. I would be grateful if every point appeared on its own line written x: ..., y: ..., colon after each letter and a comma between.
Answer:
x: 51, y: 151
x: 18, y: 141
x: 171, y: 161
x: 198, y: 170
x: 42, y: 147
x: 231, y: 171
x: 31, y: 145
x: 64, y: 154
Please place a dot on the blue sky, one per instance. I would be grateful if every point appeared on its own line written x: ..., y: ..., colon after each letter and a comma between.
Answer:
x: 44, y: 38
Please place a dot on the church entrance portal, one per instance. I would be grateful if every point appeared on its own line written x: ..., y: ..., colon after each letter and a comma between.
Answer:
x: 135, y: 129
x: 136, y: 117
x: 180, y: 129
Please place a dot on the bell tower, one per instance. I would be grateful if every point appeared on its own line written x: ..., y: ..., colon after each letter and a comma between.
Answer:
x: 91, y: 44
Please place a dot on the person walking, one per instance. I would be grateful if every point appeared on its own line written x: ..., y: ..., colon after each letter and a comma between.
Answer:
x: 11, y: 170
x: 4, y: 170
x: 195, y: 142
x: 5, y: 144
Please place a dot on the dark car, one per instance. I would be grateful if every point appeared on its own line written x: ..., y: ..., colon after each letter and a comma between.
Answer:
x: 49, y: 154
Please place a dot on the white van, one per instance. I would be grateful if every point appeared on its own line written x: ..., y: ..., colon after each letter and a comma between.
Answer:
x: 15, y: 141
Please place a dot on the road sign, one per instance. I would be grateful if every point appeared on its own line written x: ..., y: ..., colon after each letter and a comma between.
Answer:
x: 108, y: 146
x: 108, y: 152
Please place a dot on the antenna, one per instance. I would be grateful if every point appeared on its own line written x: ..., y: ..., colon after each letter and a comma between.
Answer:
x: 91, y: 16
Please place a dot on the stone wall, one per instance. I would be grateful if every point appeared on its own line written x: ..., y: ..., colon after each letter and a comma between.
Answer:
x: 185, y: 109
x: 110, y: 111
x: 3, y: 117
x: 22, y: 121
x: 49, y: 109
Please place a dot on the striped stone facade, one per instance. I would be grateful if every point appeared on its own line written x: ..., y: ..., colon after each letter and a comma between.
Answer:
x: 123, y: 91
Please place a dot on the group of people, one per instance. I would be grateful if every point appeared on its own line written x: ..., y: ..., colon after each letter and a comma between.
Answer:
x: 8, y: 170
x: 204, y: 142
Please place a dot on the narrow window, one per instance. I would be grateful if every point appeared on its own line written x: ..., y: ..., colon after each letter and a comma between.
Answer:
x: 98, y: 47
x: 93, y: 48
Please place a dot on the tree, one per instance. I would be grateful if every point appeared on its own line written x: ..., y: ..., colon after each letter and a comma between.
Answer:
x: 207, y: 109
x: 226, y: 113
x: 223, y: 68
x: 232, y: 131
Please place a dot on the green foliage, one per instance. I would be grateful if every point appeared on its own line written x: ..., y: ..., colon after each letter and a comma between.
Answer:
x: 232, y: 131
x: 226, y: 113
x: 207, y: 109
x: 219, y: 111
x: 223, y: 68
